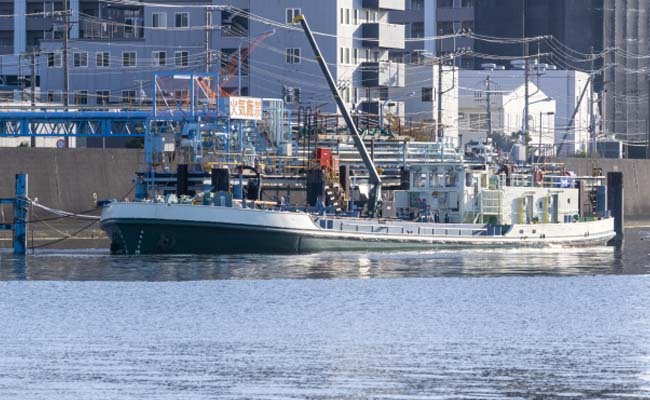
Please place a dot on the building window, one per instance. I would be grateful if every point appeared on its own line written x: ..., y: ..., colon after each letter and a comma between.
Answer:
x: 54, y: 60
x: 81, y: 97
x: 467, y: 26
x: 103, y: 97
x: 291, y: 14
x: 128, y: 96
x: 347, y: 55
x: 446, y: 27
x: 427, y: 94
x: 367, y: 16
x: 103, y: 59
x: 182, y: 20
x: 291, y: 95
x: 293, y: 56
x: 80, y: 59
x: 355, y: 53
x: 129, y: 59
x: 356, y: 17
x: 233, y: 25
x: 445, y: 3
x: 347, y: 16
x: 230, y: 60
x: 182, y: 58
x: 417, y: 4
x: 159, y: 20
x: 208, y: 19
x: 130, y: 26
x: 342, y: 16
x: 159, y: 58
x: 417, y: 30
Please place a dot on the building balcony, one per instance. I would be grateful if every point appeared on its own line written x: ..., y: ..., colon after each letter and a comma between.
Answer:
x: 379, y: 107
x: 389, y: 36
x: 387, y: 74
x: 397, y: 5
x: 39, y: 23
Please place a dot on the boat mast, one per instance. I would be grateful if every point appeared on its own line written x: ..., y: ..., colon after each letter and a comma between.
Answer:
x: 375, y: 179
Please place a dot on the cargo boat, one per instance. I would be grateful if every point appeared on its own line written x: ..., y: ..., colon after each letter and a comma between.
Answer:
x: 447, y: 205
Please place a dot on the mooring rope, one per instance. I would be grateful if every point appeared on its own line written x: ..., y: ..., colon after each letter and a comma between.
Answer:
x: 64, y: 214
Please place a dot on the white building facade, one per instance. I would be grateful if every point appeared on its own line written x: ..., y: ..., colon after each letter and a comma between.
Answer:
x: 564, y: 87
x: 421, y: 96
x: 507, y: 108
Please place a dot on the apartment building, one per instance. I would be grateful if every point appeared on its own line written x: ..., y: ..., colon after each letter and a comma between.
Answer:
x: 120, y: 48
x: 353, y: 35
x: 424, y: 19
x: 258, y: 54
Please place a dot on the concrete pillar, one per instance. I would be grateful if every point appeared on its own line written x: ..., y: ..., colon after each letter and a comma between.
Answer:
x: 620, y: 105
x: 20, y: 26
x: 631, y: 45
x: 430, y: 25
x: 642, y: 79
x: 609, y: 87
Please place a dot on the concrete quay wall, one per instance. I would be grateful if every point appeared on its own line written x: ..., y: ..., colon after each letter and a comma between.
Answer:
x: 636, y: 180
x: 67, y: 178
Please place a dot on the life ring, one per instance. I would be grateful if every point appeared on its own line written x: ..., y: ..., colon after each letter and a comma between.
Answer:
x: 538, y: 177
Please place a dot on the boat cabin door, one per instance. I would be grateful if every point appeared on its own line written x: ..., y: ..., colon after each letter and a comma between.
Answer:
x: 530, y: 208
x: 555, y: 212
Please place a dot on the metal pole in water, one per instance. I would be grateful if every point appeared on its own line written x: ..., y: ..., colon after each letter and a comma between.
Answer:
x: 615, y: 201
x: 20, y: 215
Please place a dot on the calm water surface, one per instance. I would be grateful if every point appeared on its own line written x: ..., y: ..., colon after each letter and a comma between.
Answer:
x: 535, y: 324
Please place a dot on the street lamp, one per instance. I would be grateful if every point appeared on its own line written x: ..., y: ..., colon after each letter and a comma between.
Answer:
x: 525, y: 115
x: 541, y: 125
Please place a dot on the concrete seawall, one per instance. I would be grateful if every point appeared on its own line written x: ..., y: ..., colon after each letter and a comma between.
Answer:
x: 636, y: 180
x: 67, y: 178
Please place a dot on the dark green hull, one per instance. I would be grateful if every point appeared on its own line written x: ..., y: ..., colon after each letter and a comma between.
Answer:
x: 135, y: 237
x: 155, y: 236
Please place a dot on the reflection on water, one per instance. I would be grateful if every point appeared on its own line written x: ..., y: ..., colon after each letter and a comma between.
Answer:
x: 632, y: 258
x: 317, y: 326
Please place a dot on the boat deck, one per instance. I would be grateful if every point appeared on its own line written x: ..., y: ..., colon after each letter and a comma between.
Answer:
x: 389, y: 227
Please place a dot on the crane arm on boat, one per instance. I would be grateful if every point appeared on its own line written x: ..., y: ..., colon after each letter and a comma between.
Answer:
x: 375, y: 179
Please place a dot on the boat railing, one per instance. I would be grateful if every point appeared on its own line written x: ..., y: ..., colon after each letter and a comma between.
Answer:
x: 399, y: 229
x: 550, y: 181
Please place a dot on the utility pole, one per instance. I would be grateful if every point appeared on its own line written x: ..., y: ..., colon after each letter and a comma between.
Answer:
x: 208, y: 27
x: 488, y: 87
x: 33, y: 78
x: 524, y: 130
x: 66, y: 72
x: 32, y: 140
x: 592, y: 122
x: 21, y: 78
x: 539, y: 150
x: 439, y: 130
x: 526, y: 94
x: 647, y: 148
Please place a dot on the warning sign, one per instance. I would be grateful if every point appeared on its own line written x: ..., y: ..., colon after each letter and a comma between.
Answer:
x: 249, y: 108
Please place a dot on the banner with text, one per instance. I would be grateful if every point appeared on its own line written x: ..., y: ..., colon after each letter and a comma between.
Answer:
x: 249, y: 108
